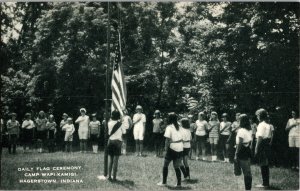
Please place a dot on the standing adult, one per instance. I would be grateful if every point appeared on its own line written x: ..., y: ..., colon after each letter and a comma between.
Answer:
x: 201, y: 126
x: 214, y: 128
x: 231, y: 140
x: 41, y: 130
x: 243, y: 151
x: 13, y: 132
x: 139, y: 122
x: 157, y: 123
x: 83, y: 131
x: 262, y: 146
x: 186, y: 138
x: 115, y: 133
x: 293, y: 126
x: 127, y: 124
x: 27, y: 131
x: 225, y: 129
x: 174, y: 149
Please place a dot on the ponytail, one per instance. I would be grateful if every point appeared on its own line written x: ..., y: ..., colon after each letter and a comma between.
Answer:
x: 172, y: 119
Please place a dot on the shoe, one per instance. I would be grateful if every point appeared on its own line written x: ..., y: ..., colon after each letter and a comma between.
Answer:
x: 161, y: 184
x: 177, y: 186
x: 197, y: 158
x: 204, y: 159
x: 260, y: 186
x: 136, y: 154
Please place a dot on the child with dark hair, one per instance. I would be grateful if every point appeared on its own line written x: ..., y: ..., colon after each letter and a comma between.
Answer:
x: 225, y: 128
x: 115, y: 133
x: 157, y: 122
x: 51, y: 126
x: 27, y: 131
x: 13, y: 132
x: 243, y: 151
x: 174, y: 149
x: 186, y: 137
x: 201, y: 126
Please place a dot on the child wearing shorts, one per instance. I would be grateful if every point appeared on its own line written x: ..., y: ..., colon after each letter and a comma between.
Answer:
x: 41, y: 130
x: 139, y: 122
x: 225, y: 129
x: 94, y: 130
x: 51, y: 126
x: 27, y: 131
x: 214, y: 134
x: 83, y: 130
x: 69, y: 130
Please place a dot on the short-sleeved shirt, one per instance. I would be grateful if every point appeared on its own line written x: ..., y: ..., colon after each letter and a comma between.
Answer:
x: 176, y: 138
x: 142, y: 118
x: 83, y: 123
x: 226, y: 126
x: 157, y: 125
x: 118, y: 134
x: 295, y: 131
x: 125, y: 122
x: 186, y: 137
x: 28, y: 124
x: 201, y: 127
x: 95, y: 127
x: 69, y: 128
x: 245, y: 134
x: 214, y: 132
x: 51, y: 125
x: 13, y: 127
x: 41, y: 124
x: 263, y: 130
x: 235, y: 125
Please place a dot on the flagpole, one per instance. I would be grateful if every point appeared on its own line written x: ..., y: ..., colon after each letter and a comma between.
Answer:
x: 106, y: 93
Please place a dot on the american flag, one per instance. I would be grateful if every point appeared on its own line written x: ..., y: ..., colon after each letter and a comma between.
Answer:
x: 118, y: 85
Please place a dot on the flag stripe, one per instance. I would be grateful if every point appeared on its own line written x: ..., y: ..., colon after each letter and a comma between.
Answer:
x: 118, y: 89
x: 117, y: 96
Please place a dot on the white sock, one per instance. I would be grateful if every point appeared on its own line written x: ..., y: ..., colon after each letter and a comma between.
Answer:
x: 96, y: 148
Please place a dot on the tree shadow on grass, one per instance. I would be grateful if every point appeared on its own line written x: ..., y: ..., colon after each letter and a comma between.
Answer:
x: 192, y: 181
x: 129, y: 184
x: 179, y: 188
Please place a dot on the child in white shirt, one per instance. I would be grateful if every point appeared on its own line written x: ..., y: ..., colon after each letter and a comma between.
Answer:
x: 69, y: 129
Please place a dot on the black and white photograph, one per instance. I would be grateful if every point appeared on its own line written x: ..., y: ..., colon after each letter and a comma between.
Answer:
x: 141, y: 95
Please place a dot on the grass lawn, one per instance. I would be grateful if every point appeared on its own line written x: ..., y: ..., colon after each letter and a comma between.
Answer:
x: 137, y: 173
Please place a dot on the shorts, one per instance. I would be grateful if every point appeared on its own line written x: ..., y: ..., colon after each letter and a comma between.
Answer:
x: 294, y: 141
x: 12, y: 139
x: 213, y: 140
x: 138, y: 133
x: 94, y: 138
x: 186, y: 151
x: 223, y: 140
x: 27, y: 135
x: 83, y: 134
x: 173, y: 155
x: 114, y: 147
x: 41, y: 135
x: 68, y: 136
x: 263, y: 153
x: 201, y: 138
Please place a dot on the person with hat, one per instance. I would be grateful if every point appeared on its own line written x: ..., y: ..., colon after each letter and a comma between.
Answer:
x: 51, y: 127
x: 173, y: 148
x: 41, y: 130
x: 27, y: 131
x: 262, y: 146
x: 127, y: 124
x: 69, y: 130
x: 225, y: 128
x: 293, y: 127
x: 157, y: 132
x: 213, y: 132
x: 200, y: 133
x: 94, y: 130
x: 139, y: 122
x: 83, y: 130
x: 13, y: 132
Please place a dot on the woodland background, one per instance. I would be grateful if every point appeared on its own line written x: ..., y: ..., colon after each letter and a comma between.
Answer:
x: 183, y: 57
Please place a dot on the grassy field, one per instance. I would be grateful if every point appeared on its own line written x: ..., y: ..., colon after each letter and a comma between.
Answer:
x: 137, y: 173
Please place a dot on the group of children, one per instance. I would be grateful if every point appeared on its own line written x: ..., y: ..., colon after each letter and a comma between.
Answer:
x: 44, y: 131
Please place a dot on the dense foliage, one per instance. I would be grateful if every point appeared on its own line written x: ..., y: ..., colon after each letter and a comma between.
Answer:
x: 223, y: 56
